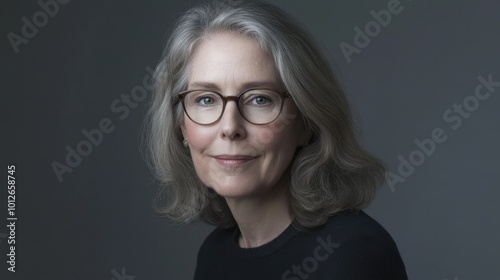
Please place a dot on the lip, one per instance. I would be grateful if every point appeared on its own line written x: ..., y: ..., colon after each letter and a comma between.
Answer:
x: 234, y: 157
x: 233, y: 160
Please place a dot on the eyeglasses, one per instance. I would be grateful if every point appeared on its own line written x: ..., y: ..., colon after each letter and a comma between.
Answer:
x: 257, y: 106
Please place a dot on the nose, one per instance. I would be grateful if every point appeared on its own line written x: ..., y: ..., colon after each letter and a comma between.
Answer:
x: 232, y: 122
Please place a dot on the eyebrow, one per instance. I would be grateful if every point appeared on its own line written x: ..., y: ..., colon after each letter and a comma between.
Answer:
x: 255, y: 84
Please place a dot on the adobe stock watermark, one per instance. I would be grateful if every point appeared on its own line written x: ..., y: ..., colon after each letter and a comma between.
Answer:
x: 266, y: 135
x: 373, y: 28
x: 268, y: 132
x: 454, y: 116
x: 121, y: 108
x: 310, y: 264
x: 121, y: 276
x: 39, y: 19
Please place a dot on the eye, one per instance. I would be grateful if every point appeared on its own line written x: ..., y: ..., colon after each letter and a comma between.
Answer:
x: 205, y: 99
x: 261, y: 100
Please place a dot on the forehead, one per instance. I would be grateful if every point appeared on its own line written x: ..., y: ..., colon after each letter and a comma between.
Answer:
x: 230, y: 59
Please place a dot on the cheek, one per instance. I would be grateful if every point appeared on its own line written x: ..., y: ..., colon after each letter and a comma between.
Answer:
x: 197, y: 136
x: 276, y: 137
x: 284, y: 131
x: 199, y: 140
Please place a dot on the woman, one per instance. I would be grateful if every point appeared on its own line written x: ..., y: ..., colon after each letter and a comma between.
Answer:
x: 250, y: 131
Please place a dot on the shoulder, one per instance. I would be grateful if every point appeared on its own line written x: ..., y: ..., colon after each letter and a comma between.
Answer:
x: 364, y: 247
x: 350, y: 224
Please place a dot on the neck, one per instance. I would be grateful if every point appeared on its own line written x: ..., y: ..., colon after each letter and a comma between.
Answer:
x: 262, y: 218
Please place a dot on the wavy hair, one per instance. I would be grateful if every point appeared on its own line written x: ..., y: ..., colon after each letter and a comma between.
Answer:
x: 332, y: 173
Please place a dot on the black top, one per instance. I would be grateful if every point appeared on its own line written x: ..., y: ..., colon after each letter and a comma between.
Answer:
x: 349, y: 246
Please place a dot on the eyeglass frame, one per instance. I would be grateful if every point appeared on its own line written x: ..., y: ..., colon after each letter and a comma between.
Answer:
x: 236, y: 98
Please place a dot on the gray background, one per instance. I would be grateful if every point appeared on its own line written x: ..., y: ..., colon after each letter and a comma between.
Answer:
x: 98, y: 220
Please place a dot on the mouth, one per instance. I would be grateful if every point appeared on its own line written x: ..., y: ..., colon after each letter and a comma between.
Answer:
x: 233, y: 160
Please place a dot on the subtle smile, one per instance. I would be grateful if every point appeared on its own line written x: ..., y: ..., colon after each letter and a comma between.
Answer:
x: 233, y: 160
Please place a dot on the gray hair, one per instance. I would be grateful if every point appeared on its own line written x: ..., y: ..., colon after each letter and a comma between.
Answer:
x: 332, y: 173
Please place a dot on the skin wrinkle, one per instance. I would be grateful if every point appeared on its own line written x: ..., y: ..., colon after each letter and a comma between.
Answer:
x: 256, y: 192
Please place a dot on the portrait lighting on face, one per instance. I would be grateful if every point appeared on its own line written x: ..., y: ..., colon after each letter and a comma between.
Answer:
x: 225, y: 138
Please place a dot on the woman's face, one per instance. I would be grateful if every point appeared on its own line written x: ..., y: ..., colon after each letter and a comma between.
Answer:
x: 232, y: 156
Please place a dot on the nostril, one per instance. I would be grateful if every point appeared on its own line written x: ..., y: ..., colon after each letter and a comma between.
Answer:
x: 234, y: 136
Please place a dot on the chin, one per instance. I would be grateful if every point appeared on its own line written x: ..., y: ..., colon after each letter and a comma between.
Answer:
x: 234, y: 191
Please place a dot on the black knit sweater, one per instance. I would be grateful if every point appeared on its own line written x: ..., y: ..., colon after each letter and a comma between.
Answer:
x: 349, y: 246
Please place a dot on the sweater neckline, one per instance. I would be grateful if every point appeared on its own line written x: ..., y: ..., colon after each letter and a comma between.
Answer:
x: 263, y: 250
